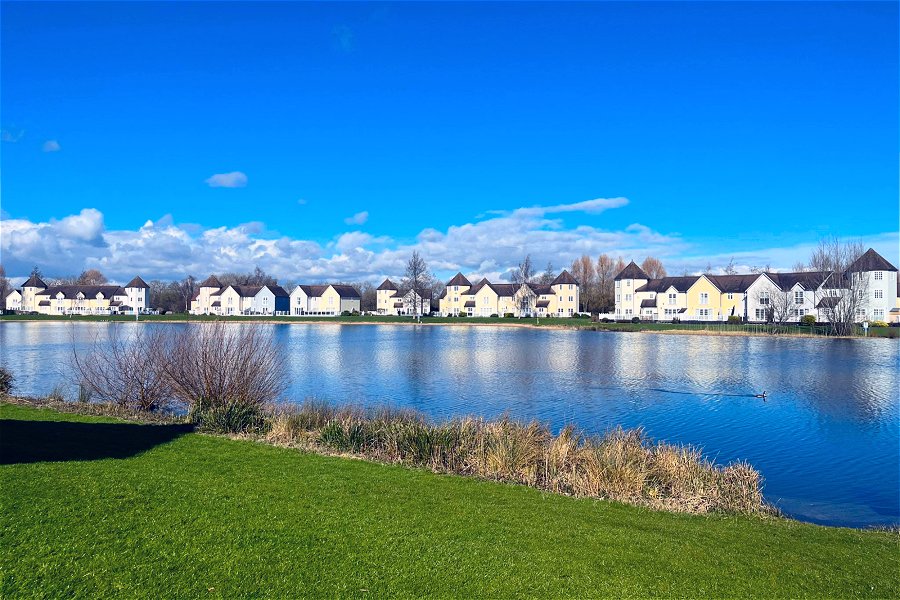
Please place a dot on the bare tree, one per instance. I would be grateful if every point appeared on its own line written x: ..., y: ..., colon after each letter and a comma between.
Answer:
x: 524, y: 272
x: 4, y: 287
x: 419, y: 280
x: 799, y: 267
x: 709, y: 269
x: 606, y: 273
x: 225, y: 372
x: 730, y: 269
x: 841, y: 295
x: 583, y: 270
x: 91, y: 277
x: 548, y: 275
x: 368, y: 296
x: 36, y: 272
x: 187, y: 287
x: 128, y: 371
x: 653, y: 267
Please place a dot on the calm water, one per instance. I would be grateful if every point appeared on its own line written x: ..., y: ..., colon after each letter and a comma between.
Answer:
x: 826, y: 440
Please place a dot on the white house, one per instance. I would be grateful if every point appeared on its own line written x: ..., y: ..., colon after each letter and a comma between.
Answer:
x: 328, y: 300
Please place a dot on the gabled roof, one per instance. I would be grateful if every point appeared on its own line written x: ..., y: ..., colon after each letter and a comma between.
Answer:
x: 808, y: 280
x: 211, y: 281
x: 829, y: 302
x: 137, y: 282
x: 506, y: 289
x: 659, y: 286
x: 540, y: 289
x: 459, y: 279
x: 313, y: 291
x: 279, y: 291
x: 871, y: 261
x: 566, y: 277
x: 632, y: 271
x: 480, y: 285
x: 733, y: 284
x: 89, y: 291
x: 387, y: 285
x: 34, y: 281
x: 346, y: 291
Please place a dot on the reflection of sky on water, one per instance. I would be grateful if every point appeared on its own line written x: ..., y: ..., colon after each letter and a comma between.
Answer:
x: 826, y: 439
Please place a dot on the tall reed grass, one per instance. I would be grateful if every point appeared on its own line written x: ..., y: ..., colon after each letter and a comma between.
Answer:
x: 622, y: 465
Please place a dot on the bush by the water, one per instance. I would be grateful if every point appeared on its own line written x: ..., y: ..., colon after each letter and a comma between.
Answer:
x: 622, y: 465
x: 808, y: 320
x: 6, y: 381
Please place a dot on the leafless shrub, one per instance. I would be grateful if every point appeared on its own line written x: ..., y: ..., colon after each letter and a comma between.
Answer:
x: 126, y: 370
x: 224, y: 373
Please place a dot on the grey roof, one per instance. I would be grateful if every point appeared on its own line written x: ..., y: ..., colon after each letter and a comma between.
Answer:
x: 809, y: 280
x: 279, y: 291
x: 543, y: 303
x: 44, y: 303
x: 564, y: 277
x: 89, y: 291
x: 470, y: 304
x: 34, y: 281
x: 313, y: 291
x: 681, y: 284
x: 459, y: 279
x: 828, y: 302
x: 387, y: 284
x: 632, y: 271
x: 734, y: 283
x: 648, y: 303
x: 540, y: 289
x: 871, y: 261
x: 137, y: 282
x: 346, y: 291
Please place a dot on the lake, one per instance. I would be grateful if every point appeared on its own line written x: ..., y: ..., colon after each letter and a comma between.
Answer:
x: 825, y: 440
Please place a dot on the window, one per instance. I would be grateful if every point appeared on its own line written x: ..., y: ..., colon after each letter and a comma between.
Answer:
x: 878, y: 313
x: 764, y: 298
x: 627, y: 311
x: 618, y: 284
x: 570, y: 312
x: 730, y: 296
x: 798, y: 297
x: 879, y: 275
x: 760, y: 314
x: 672, y: 299
x: 571, y: 298
x: 618, y: 297
x: 571, y: 286
x: 704, y: 298
x: 627, y: 283
x: 703, y: 313
x: 879, y: 294
x: 627, y: 297
x: 485, y: 300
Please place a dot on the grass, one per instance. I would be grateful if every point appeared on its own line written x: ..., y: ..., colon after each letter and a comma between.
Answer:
x: 191, y: 515
x: 710, y: 328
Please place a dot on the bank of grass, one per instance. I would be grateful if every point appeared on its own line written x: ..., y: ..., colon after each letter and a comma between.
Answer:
x: 553, y: 322
x: 186, y: 515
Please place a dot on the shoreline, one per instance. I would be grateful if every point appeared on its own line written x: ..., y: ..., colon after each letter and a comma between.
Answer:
x: 726, y: 329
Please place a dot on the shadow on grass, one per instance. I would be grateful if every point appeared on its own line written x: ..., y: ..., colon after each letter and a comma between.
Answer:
x: 38, y: 441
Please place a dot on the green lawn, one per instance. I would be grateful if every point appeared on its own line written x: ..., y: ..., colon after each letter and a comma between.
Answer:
x: 94, y: 507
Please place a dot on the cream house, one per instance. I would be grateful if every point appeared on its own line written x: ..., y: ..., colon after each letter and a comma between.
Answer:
x: 388, y: 301
x: 329, y: 300
x: 37, y: 297
x: 560, y: 298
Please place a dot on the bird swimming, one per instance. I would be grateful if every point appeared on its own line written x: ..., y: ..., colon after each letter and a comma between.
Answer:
x: 763, y: 395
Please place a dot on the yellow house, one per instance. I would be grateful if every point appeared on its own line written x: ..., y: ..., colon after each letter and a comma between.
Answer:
x: 453, y: 301
x: 560, y: 298
x: 386, y: 300
x: 704, y: 302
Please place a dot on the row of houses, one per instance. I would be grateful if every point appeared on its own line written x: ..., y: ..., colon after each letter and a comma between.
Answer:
x: 329, y: 300
x: 762, y: 297
x: 35, y: 296
x: 560, y: 298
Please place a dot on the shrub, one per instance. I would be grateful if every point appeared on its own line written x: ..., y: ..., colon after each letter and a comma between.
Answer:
x: 878, y: 324
x: 635, y: 319
x: 6, y: 381
x: 676, y: 320
x: 734, y: 319
x: 494, y: 316
x: 508, y: 315
x: 345, y: 313
x: 605, y: 320
x: 462, y: 314
x: 225, y: 373
x: 354, y: 313
x: 808, y: 320
x: 127, y: 371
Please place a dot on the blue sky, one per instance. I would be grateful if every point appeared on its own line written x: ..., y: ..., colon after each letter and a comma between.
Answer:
x: 345, y: 135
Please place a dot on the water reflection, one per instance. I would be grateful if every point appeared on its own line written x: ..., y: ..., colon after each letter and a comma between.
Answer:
x: 826, y: 439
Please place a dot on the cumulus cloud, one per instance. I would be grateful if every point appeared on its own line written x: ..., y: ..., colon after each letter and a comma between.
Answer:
x: 488, y: 247
x: 51, y: 146
x: 234, y: 179
x: 358, y: 219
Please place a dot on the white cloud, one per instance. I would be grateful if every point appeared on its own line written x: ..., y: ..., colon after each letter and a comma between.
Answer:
x: 51, y: 146
x: 167, y: 250
x: 234, y: 179
x: 358, y: 219
x: 11, y: 134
